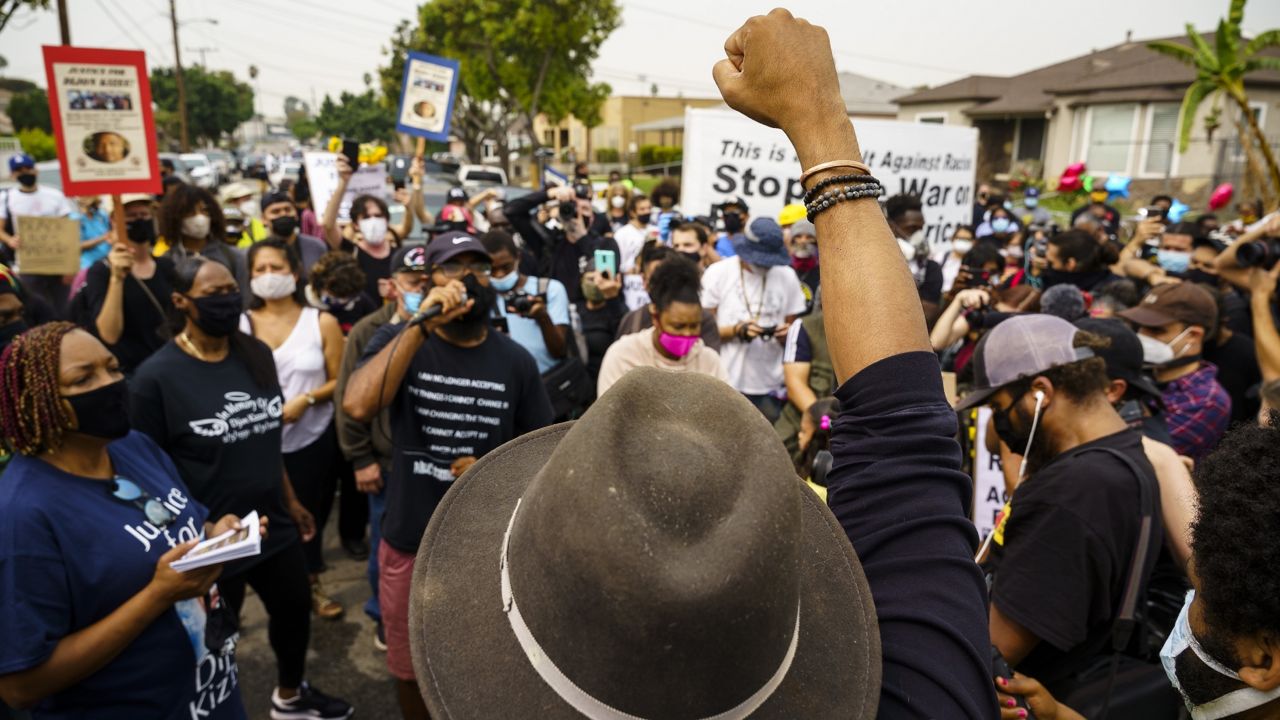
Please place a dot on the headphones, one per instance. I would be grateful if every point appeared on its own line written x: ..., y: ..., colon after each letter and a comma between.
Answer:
x: 1039, y: 396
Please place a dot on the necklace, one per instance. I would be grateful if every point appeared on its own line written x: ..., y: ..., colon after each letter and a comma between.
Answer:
x: 742, y: 282
x: 190, y: 346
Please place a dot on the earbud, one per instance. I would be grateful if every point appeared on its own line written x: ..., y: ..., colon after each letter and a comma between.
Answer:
x: 1039, y: 396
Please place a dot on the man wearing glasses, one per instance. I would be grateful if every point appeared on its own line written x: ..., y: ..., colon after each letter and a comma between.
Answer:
x: 456, y: 390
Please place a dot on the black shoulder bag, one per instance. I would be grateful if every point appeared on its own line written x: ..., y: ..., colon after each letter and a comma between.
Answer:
x: 569, y: 384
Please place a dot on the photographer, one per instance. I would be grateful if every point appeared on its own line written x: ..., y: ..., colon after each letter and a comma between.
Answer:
x: 564, y: 244
x: 538, y: 319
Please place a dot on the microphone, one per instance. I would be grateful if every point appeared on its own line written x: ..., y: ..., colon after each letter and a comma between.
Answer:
x: 435, y: 309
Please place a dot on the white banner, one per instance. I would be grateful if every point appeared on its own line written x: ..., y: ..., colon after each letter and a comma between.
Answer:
x: 727, y: 154
x: 989, y: 496
x: 322, y: 177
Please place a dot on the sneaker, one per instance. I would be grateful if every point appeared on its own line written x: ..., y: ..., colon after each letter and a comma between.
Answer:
x: 307, y: 704
x: 380, y: 637
x: 323, y: 605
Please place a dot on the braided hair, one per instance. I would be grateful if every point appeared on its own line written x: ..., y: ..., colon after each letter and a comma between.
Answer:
x: 32, y: 414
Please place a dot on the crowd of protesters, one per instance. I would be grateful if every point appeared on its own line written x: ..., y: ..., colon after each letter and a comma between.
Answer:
x: 222, y: 354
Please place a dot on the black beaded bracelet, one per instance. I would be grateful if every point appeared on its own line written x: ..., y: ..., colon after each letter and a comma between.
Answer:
x: 825, y: 183
x: 841, y: 194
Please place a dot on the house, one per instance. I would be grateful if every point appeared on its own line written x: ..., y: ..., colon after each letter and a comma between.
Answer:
x: 573, y: 141
x: 1115, y: 110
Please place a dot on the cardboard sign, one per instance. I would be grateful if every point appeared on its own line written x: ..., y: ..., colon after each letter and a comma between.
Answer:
x: 50, y: 245
x: 322, y: 176
x: 989, y: 495
x: 426, y: 96
x: 727, y: 154
x: 100, y: 105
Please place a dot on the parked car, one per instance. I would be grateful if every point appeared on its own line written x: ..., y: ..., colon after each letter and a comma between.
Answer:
x: 288, y: 169
x: 180, y: 168
x: 476, y: 176
x: 222, y: 163
x: 200, y: 169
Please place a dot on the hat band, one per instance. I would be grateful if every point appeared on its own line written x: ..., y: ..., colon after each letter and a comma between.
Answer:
x: 578, y: 698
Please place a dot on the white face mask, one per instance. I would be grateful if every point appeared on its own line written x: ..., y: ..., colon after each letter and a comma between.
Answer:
x: 249, y: 208
x: 196, y: 226
x: 1237, y: 701
x: 908, y: 251
x: 618, y: 202
x: 374, y: 230
x: 961, y: 247
x: 273, y: 286
x: 1154, y: 352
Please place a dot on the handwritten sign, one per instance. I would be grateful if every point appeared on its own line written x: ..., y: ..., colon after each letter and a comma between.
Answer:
x: 322, y: 177
x: 989, y: 495
x: 50, y: 245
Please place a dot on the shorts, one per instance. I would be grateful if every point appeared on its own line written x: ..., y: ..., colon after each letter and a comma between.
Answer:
x: 395, y: 582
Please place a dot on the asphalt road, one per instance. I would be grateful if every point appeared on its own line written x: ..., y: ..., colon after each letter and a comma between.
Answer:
x: 342, y: 660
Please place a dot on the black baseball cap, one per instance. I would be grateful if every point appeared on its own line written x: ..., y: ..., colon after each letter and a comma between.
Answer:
x: 449, y: 245
x: 274, y: 198
x: 456, y: 193
x: 412, y: 258
x: 1124, y: 355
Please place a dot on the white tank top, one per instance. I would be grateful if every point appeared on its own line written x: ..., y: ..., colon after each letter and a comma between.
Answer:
x: 300, y: 365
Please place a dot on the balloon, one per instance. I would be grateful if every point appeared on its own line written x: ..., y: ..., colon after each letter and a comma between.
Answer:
x: 1088, y: 183
x: 1069, y: 183
x: 1074, y: 169
x: 1221, y: 196
x: 1118, y: 186
x: 1176, y: 211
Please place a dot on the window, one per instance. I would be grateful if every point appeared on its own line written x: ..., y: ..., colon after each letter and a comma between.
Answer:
x: 1162, y: 134
x: 1110, y: 137
x: 1030, y: 139
x: 932, y: 118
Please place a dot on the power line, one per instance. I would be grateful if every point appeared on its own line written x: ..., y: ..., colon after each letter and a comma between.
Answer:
x: 138, y: 26
x: 123, y: 30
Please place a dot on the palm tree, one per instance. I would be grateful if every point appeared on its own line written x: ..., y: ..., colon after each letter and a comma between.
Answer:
x: 1220, y: 74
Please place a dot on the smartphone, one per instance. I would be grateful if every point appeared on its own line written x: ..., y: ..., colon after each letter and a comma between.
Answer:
x: 351, y: 149
x: 607, y: 262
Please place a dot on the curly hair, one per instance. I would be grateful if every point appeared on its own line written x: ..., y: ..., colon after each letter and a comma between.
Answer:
x: 33, y: 417
x: 338, y: 273
x: 669, y: 187
x: 182, y: 200
x: 675, y: 280
x: 1239, y: 510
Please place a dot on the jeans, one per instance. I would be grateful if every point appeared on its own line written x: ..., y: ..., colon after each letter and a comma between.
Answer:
x: 768, y: 405
x: 377, y: 503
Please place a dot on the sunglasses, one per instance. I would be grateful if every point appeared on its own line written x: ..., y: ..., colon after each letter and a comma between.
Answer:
x: 157, y: 514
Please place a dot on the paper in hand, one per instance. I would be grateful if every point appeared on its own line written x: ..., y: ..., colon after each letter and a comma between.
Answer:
x: 230, y: 545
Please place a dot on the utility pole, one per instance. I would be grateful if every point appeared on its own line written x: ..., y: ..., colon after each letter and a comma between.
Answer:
x: 177, y: 67
x: 64, y: 23
x: 202, y: 51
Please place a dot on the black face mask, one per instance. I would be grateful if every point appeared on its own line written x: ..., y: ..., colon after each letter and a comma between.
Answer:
x: 732, y: 223
x: 27, y: 180
x: 102, y: 413
x: 472, y: 324
x: 11, y: 331
x: 142, y: 231
x: 219, y: 315
x: 1083, y: 280
x: 1203, y: 277
x: 693, y: 257
x: 284, y: 226
x: 1016, y: 439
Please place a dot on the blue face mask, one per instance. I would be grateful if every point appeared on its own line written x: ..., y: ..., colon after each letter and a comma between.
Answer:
x: 1175, y: 261
x: 1031, y: 202
x: 504, y: 284
x: 412, y: 301
x: 1000, y: 225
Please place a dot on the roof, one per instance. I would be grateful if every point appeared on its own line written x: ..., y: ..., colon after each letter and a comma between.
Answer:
x: 867, y: 95
x: 1126, y: 72
x: 670, y: 123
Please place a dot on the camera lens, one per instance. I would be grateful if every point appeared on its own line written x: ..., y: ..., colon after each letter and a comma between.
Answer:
x: 1262, y: 254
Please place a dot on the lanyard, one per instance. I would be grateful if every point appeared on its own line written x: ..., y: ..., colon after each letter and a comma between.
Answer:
x: 742, y: 281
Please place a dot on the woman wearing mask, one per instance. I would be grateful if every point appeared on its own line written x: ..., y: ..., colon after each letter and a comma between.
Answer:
x: 307, y: 347
x: 191, y: 224
x: 674, y: 342
x: 211, y: 400
x: 128, y: 294
x: 95, y: 231
x: 368, y: 236
x: 601, y: 310
x: 952, y: 260
x: 337, y: 286
x: 616, y: 197
x: 96, y: 623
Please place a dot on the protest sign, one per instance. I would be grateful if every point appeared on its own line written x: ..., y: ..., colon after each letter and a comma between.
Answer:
x: 727, y: 154
x: 100, y: 106
x: 989, y: 495
x: 322, y: 177
x: 426, y: 96
x: 50, y: 245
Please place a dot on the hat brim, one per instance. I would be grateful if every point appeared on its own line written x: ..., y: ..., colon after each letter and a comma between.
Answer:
x: 1147, y: 317
x: 750, y: 253
x: 975, y: 398
x: 469, y: 664
x: 1144, y: 384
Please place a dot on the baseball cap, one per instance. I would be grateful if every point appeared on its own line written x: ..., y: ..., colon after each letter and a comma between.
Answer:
x: 456, y: 193
x: 411, y: 258
x: 450, y: 245
x: 21, y: 160
x: 791, y: 214
x: 272, y: 198
x: 733, y: 200
x: 582, y: 191
x: 1123, y: 355
x: 1021, y: 347
x: 1032, y: 192
x: 1182, y: 302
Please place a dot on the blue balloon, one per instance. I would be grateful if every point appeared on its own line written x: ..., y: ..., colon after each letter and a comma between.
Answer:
x: 1118, y: 186
x: 1177, y: 210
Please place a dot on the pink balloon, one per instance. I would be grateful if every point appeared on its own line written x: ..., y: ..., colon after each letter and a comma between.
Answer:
x: 1069, y: 183
x: 1074, y: 169
x: 1221, y: 196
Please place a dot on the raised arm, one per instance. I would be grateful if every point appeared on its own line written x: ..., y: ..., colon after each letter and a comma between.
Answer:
x: 332, y: 235
x: 1266, y: 337
x: 1229, y: 265
x: 896, y: 485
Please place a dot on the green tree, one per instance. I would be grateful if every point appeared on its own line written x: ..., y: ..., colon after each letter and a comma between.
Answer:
x: 38, y: 144
x: 1220, y: 74
x: 216, y: 102
x: 303, y: 128
x: 9, y: 7
x: 30, y: 109
x: 362, y: 117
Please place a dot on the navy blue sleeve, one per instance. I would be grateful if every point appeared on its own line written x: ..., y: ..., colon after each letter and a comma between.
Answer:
x: 897, y: 489
x: 379, y: 340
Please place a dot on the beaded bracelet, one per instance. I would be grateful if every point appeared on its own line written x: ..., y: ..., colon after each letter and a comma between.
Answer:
x: 833, y: 180
x: 841, y: 194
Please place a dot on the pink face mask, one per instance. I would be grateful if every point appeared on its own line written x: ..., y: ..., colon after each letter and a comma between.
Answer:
x: 678, y: 345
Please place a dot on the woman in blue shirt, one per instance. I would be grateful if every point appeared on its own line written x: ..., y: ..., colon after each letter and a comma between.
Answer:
x: 95, y: 622
x: 95, y: 231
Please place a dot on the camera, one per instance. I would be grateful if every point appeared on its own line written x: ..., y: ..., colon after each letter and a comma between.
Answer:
x: 977, y: 276
x: 1262, y: 254
x: 568, y: 211
x: 1149, y: 213
x: 521, y: 302
x: 767, y: 333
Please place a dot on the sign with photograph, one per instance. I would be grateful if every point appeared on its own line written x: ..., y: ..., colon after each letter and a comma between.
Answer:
x: 426, y: 96
x: 50, y: 245
x: 100, y: 105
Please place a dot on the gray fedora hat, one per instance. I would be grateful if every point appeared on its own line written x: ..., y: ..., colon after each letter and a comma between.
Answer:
x: 639, y: 564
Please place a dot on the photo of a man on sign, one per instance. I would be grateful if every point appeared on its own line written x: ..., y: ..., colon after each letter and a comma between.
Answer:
x: 426, y: 97
x: 106, y: 147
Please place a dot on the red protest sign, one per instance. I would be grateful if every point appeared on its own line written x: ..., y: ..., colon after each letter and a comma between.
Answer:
x: 100, y: 104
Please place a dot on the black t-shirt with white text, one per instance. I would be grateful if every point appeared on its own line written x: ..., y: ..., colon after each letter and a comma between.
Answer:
x: 142, y: 332
x: 454, y: 402
x: 1061, y: 555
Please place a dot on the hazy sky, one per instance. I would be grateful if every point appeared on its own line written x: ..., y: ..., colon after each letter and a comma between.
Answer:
x: 310, y: 47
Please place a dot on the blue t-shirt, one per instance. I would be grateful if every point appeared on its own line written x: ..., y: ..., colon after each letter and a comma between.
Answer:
x: 92, y: 225
x: 70, y: 554
x: 526, y: 331
x: 724, y: 246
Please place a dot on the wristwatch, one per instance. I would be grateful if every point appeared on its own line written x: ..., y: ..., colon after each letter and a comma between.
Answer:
x: 311, y: 399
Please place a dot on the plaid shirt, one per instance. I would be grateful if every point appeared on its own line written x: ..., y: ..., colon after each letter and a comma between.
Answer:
x: 1197, y: 411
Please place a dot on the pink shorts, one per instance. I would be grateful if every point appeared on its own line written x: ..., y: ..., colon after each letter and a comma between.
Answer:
x: 395, y: 579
